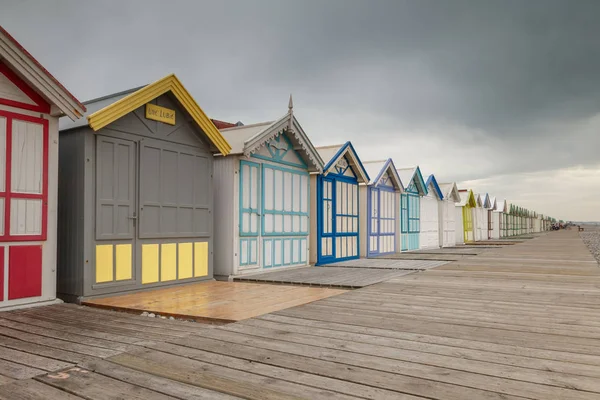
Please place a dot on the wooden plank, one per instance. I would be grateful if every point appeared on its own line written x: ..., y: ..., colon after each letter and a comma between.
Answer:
x: 90, y: 385
x: 32, y: 360
x: 18, y: 371
x: 442, y: 338
x: 518, y: 373
x: 57, y: 343
x: 336, y: 368
x: 292, y: 375
x: 42, y: 350
x: 382, y: 362
x: 214, y: 377
x: 33, y: 390
x: 491, y: 355
x: 162, y: 385
x: 65, y: 336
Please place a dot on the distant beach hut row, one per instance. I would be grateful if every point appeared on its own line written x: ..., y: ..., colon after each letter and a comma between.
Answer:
x: 141, y: 189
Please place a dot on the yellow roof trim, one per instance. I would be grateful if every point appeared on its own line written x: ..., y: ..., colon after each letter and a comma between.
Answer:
x: 127, y: 104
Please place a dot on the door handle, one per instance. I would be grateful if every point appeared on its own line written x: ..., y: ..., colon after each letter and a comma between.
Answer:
x: 132, y: 216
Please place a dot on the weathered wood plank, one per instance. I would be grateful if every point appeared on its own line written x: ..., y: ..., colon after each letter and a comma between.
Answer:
x: 33, y: 390
x: 162, y: 385
x: 90, y: 385
x: 214, y: 377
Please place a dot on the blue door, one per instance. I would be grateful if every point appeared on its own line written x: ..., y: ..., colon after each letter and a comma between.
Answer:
x: 382, y: 221
x: 337, y: 215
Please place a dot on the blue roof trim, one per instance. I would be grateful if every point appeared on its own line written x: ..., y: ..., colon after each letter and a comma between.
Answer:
x: 431, y: 180
x: 385, y: 168
x: 347, y: 147
x: 421, y: 181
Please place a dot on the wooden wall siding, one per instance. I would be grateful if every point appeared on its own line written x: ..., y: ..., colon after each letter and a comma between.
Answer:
x: 10, y: 91
x: 481, y: 223
x: 459, y: 228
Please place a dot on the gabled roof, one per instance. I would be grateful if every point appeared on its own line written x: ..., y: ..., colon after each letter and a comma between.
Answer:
x: 432, y: 182
x: 331, y: 155
x: 30, y: 70
x: 138, y: 98
x: 376, y: 169
x: 501, y: 206
x: 492, y: 205
x: 466, y: 197
x: 478, y: 200
x: 250, y: 138
x: 413, y: 173
x: 450, y: 191
x: 485, y: 200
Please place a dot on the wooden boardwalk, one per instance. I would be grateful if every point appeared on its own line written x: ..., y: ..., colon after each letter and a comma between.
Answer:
x: 382, y: 263
x: 215, y: 302
x: 521, y: 322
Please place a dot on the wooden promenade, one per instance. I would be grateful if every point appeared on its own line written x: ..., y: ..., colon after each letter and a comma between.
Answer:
x: 517, y: 322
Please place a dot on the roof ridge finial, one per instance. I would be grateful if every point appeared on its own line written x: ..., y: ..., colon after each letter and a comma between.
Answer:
x: 290, y: 105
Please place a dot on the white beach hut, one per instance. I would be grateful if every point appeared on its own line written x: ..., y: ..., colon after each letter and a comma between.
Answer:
x: 262, y: 197
x: 490, y: 217
x: 379, y: 204
x: 447, y: 214
x: 430, y: 215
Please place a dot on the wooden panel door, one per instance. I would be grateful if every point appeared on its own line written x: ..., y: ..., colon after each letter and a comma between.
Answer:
x: 116, y: 215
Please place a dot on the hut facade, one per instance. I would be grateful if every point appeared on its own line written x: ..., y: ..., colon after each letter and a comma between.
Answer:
x: 31, y: 100
x: 481, y: 216
x: 380, y: 209
x: 135, y: 192
x: 262, y: 197
x: 465, y: 210
x: 490, y: 217
x: 410, y: 207
x: 499, y: 215
x: 430, y: 214
x: 334, y: 234
x: 447, y: 213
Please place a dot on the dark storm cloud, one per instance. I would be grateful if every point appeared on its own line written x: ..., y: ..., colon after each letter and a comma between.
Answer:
x: 518, y: 76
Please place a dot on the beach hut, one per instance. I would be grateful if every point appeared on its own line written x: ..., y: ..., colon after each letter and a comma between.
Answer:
x: 31, y: 100
x: 465, y: 210
x: 410, y: 207
x: 334, y: 234
x: 379, y: 204
x: 135, y: 192
x: 499, y: 216
x: 490, y: 217
x: 481, y: 216
x: 262, y: 197
x: 430, y: 214
x: 447, y: 214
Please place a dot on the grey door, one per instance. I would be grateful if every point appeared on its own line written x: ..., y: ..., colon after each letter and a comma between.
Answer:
x: 115, y: 209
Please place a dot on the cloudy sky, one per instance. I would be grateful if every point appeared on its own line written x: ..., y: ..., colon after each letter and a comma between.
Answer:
x: 500, y: 95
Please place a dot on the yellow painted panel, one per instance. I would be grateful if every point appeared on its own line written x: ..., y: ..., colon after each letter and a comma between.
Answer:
x: 200, y: 259
x: 186, y: 262
x: 104, y: 263
x: 149, y: 263
x: 124, y: 261
x: 168, y: 262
